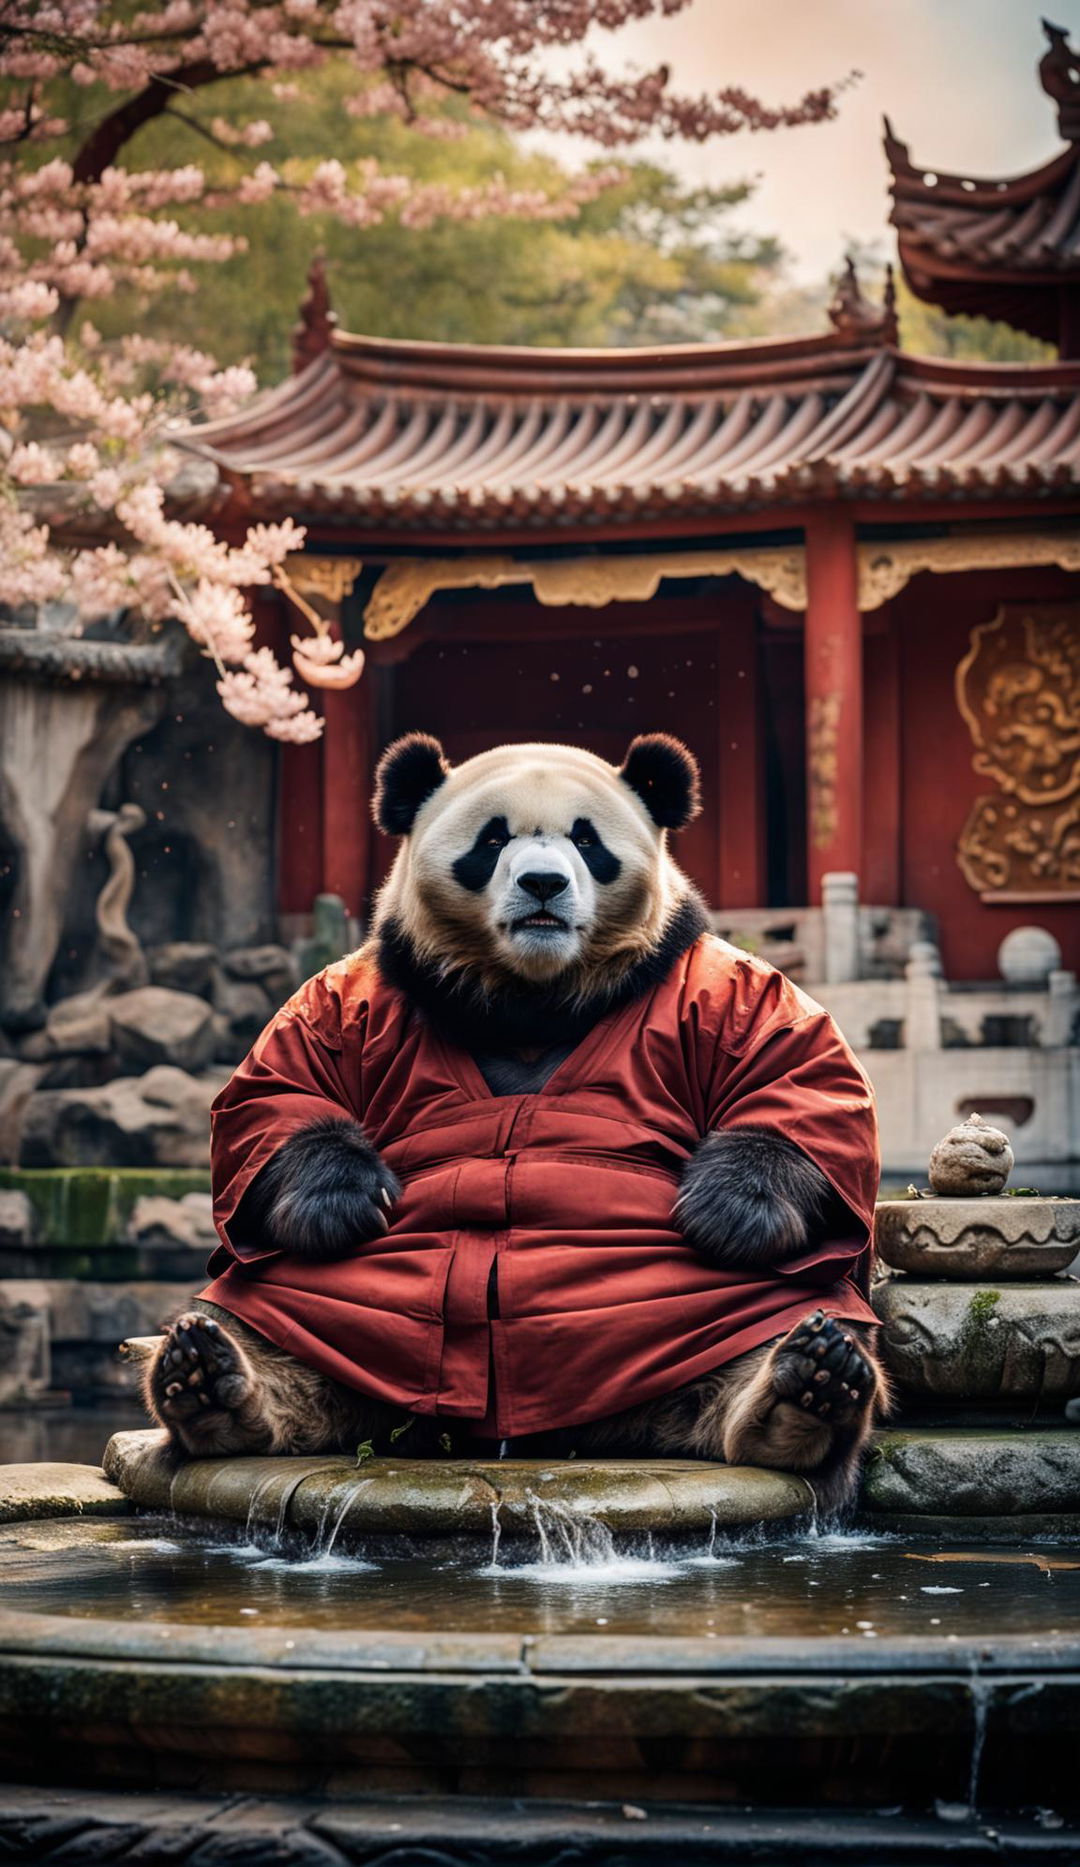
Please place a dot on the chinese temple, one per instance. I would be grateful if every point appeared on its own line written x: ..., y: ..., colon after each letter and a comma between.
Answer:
x: 845, y: 575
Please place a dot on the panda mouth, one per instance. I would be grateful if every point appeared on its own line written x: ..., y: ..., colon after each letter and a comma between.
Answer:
x: 540, y: 920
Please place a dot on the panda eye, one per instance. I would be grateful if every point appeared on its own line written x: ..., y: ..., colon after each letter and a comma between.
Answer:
x: 583, y: 841
x: 495, y: 834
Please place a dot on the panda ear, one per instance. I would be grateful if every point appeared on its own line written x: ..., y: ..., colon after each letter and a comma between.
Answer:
x: 666, y: 778
x: 408, y: 773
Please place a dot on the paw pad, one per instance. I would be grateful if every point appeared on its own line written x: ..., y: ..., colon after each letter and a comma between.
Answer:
x: 822, y: 1370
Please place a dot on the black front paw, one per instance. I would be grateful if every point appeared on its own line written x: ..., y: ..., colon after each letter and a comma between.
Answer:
x: 326, y: 1192
x: 750, y: 1199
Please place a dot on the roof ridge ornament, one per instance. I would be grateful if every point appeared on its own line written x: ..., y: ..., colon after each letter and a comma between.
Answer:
x: 854, y: 318
x: 1059, y: 74
x: 313, y: 332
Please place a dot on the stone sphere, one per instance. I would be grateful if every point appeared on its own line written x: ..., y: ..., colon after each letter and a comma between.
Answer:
x: 974, y: 1157
x: 1028, y: 956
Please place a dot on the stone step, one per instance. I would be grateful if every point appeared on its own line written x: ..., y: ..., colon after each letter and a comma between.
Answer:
x: 105, y: 1224
x: 970, y: 1472
x: 28, y: 1492
x: 981, y: 1342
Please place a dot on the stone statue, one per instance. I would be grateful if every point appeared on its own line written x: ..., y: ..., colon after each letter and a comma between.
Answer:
x: 119, y: 946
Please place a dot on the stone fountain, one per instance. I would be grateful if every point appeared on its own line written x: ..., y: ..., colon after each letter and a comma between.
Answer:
x: 631, y: 1648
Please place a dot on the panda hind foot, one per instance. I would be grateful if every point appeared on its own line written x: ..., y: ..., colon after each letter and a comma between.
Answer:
x: 820, y: 1369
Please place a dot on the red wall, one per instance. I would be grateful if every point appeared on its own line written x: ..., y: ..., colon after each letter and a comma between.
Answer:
x: 932, y: 620
x: 591, y: 679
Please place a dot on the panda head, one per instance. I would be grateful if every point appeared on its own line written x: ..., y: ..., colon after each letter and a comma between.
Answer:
x: 533, y: 863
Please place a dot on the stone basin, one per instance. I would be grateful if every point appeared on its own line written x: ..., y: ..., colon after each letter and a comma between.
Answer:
x: 977, y: 1238
x: 984, y: 1342
x: 826, y: 1670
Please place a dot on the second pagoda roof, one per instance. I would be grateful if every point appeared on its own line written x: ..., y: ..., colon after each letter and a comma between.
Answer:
x: 443, y: 438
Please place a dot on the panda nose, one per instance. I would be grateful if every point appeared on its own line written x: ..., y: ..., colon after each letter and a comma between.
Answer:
x: 543, y: 884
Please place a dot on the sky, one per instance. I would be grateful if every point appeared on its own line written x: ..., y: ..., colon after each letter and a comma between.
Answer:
x: 957, y: 78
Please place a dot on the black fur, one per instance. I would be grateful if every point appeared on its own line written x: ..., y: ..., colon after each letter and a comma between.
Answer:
x: 602, y: 863
x: 321, y: 1194
x: 408, y: 772
x: 520, y: 1014
x: 476, y: 867
x: 750, y: 1199
x: 666, y: 778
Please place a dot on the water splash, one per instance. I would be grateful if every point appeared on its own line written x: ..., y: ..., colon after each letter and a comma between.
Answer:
x: 981, y: 1692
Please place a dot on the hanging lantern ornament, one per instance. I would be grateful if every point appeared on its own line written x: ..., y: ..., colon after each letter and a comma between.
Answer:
x: 322, y: 662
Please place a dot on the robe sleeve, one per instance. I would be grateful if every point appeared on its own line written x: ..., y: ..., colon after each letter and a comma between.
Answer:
x: 780, y: 1062
x: 292, y: 1076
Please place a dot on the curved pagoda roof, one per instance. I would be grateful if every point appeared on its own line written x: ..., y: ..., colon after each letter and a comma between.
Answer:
x: 1006, y: 249
x: 382, y: 434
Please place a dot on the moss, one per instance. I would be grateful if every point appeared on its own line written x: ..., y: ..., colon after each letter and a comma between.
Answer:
x: 92, y: 1205
x: 982, y: 1305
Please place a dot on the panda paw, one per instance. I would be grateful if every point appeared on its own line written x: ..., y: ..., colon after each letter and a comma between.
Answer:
x: 750, y: 1199
x: 325, y: 1192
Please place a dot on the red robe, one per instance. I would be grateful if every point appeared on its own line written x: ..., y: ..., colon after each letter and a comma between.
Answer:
x: 562, y: 1198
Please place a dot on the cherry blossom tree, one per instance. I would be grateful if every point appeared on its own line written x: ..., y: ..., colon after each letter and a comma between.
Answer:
x: 88, y: 505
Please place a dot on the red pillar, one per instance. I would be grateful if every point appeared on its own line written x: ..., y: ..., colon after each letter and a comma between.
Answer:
x: 834, y: 723
x: 346, y: 799
x: 740, y: 816
x: 879, y: 875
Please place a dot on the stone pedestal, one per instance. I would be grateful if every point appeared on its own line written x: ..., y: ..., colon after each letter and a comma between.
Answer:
x: 978, y: 1317
x: 978, y: 1238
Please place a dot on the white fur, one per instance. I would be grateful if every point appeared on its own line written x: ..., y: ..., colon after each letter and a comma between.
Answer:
x: 540, y: 790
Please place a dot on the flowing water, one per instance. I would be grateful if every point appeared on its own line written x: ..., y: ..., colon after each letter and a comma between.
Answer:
x: 570, y: 1578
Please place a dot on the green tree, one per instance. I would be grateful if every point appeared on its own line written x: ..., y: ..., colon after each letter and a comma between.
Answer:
x: 646, y: 260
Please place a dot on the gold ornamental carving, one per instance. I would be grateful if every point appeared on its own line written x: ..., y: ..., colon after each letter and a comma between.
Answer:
x: 1018, y: 691
x: 332, y: 578
x: 588, y: 582
x: 823, y: 766
x: 884, y: 569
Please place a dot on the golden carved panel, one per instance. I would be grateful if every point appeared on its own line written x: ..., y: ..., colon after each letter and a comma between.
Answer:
x: 885, y: 568
x: 591, y: 582
x: 1018, y: 691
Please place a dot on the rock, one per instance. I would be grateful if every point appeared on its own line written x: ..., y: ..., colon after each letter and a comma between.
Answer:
x: 981, y: 1344
x: 969, y: 1472
x: 160, y: 1224
x: 18, y: 1081
x: 155, y: 1025
x: 978, y: 1238
x: 80, y: 1024
x: 269, y: 966
x: 246, y: 1008
x: 451, y: 1497
x: 34, y: 1047
x: 25, y: 1366
x: 1028, y: 955
x: 161, y: 1119
x: 18, y: 1220
x: 974, y: 1157
x: 184, y: 966
x: 43, y: 1490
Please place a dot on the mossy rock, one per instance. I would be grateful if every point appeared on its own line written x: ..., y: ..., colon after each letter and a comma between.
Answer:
x: 90, y: 1206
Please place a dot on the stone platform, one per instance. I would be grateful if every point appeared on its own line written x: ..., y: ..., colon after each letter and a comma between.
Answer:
x: 445, y: 1498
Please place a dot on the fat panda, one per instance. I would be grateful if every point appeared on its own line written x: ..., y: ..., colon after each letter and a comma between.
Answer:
x: 545, y: 1163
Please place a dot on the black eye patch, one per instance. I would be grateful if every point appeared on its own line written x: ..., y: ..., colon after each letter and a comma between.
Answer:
x: 601, y: 863
x: 475, y: 869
